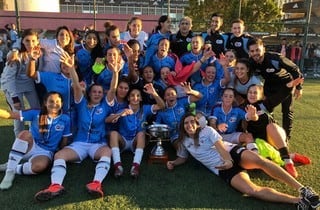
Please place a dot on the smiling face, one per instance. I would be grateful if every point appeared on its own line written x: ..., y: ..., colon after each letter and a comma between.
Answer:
x: 255, y: 93
x: 30, y: 42
x: 148, y: 74
x: 210, y: 74
x: 256, y: 52
x: 237, y: 29
x: 228, y: 97
x: 170, y: 96
x: 190, y: 125
x: 241, y: 71
x: 135, y: 97
x: 63, y: 38
x: 196, y: 44
x: 112, y: 56
x: 53, y: 104
x: 95, y: 94
x: 216, y: 23
x: 91, y: 40
x: 135, y: 27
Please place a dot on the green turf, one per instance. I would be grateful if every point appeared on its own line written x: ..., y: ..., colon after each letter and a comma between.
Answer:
x: 190, y: 186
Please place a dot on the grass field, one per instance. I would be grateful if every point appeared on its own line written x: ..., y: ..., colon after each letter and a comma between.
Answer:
x: 190, y: 186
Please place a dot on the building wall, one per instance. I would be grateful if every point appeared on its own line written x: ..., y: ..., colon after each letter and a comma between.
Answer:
x: 33, y: 5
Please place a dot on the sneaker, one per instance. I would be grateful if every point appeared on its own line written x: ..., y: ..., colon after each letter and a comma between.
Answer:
x: 308, y: 194
x: 134, y: 172
x: 303, y: 204
x: 291, y: 169
x: 7, y: 180
x: 95, y: 188
x: 52, y: 191
x: 298, y: 158
x: 118, y: 170
x: 3, y: 167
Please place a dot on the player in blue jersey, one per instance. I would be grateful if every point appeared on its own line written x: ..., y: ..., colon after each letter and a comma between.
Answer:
x: 211, y: 86
x: 226, y: 118
x: 176, y: 108
x: 161, y: 31
x: 86, y: 55
x: 48, y: 131
x: 90, y: 139
x: 130, y: 135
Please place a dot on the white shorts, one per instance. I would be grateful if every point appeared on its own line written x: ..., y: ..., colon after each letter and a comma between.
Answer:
x: 232, y: 137
x: 128, y: 145
x: 35, y: 151
x: 84, y: 149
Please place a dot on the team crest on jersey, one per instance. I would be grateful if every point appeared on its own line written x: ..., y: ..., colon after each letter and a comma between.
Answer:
x: 219, y: 41
x: 188, y: 39
x: 238, y: 44
x: 99, y: 111
x: 233, y: 119
x: 270, y: 70
x: 59, y: 127
x: 180, y: 111
x: 211, y: 90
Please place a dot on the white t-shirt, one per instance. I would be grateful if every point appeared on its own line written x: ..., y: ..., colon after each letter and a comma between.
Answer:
x: 206, y: 152
x: 141, y: 38
x: 51, y: 55
x: 243, y: 88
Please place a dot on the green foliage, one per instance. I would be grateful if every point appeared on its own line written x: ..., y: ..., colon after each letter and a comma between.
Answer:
x: 259, y: 15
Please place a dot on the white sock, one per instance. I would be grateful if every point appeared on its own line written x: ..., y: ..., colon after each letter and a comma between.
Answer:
x: 116, y: 154
x: 25, y: 169
x: 58, y: 171
x: 138, y: 155
x: 18, y: 150
x: 102, y: 168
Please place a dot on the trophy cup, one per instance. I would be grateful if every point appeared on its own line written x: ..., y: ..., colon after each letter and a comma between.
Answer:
x: 159, y: 133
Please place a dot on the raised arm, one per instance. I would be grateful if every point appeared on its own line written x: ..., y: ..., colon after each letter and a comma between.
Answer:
x: 193, y: 94
x: 226, y: 75
x: 34, y: 55
x: 111, y: 94
x: 148, y: 88
x: 68, y: 61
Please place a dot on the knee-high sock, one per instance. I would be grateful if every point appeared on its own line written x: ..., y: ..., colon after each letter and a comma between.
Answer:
x: 138, y: 155
x: 102, y: 168
x: 116, y: 154
x: 25, y: 169
x: 18, y: 150
x: 58, y: 171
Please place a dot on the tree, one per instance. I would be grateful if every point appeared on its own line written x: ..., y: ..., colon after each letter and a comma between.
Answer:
x: 259, y: 15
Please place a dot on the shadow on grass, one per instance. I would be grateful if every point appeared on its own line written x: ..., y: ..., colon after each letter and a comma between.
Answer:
x: 187, y: 187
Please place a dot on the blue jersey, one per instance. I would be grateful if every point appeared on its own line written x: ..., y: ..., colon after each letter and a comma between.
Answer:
x: 171, y: 116
x: 232, y: 118
x: 211, y: 95
x: 152, y: 45
x: 157, y: 63
x: 190, y: 57
x: 57, y: 128
x: 91, y: 121
x: 85, y: 62
x: 114, y: 108
x: 59, y: 83
x: 104, y: 79
x: 130, y: 125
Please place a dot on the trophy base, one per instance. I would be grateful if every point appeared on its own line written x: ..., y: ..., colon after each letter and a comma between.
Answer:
x: 158, y: 158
